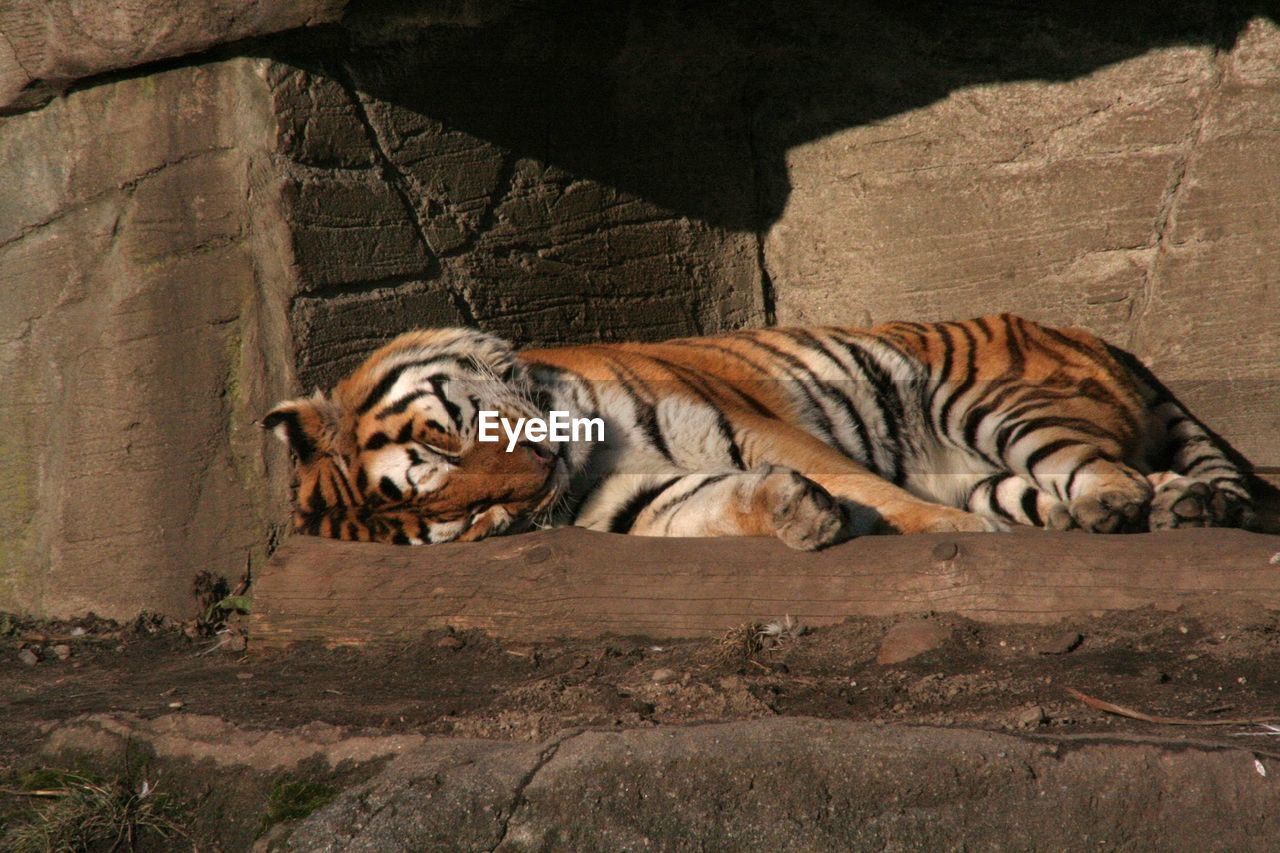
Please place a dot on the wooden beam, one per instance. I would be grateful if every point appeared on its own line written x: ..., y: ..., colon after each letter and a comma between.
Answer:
x: 578, y: 583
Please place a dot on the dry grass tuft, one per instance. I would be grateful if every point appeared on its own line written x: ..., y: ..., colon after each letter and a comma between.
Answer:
x: 739, y: 644
x: 744, y: 642
x: 85, y: 814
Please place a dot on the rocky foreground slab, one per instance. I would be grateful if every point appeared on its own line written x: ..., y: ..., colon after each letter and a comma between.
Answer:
x: 785, y: 784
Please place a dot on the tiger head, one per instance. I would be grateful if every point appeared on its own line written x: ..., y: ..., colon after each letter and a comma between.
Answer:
x: 392, y: 452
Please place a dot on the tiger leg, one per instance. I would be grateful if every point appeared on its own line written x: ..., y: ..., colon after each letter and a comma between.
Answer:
x: 1006, y: 499
x: 766, y: 501
x: 1102, y: 494
x: 877, y: 505
x: 1203, y: 487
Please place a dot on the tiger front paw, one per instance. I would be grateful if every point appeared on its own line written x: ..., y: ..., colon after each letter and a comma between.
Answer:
x: 805, y: 516
x: 1183, y: 502
x: 1114, y: 511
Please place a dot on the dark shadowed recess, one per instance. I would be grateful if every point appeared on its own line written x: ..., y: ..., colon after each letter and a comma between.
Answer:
x: 693, y: 105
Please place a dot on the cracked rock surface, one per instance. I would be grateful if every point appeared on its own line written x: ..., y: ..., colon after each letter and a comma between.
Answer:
x: 801, y: 784
x: 132, y: 322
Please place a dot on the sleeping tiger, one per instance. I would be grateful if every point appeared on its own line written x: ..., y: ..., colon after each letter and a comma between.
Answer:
x: 812, y: 435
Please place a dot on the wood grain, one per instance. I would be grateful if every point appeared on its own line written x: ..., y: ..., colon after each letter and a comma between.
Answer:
x: 578, y: 583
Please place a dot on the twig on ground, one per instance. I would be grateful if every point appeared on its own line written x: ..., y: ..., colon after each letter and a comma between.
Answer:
x: 1122, y: 711
x: 1269, y: 731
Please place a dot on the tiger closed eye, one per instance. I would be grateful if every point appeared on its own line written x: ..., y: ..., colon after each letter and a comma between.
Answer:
x: 542, y: 454
x: 448, y: 455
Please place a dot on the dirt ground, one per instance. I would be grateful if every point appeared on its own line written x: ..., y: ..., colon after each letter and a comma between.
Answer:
x: 1202, y: 667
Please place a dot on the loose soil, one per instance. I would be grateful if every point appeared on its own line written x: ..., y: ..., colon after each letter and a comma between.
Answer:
x: 1202, y: 667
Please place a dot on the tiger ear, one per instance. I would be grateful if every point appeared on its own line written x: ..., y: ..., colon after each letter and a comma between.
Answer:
x: 307, y: 425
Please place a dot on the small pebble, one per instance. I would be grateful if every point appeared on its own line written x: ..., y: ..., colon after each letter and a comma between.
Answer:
x: 28, y: 657
x: 662, y: 676
x: 908, y: 639
x: 78, y: 631
x: 62, y: 650
x: 1032, y: 717
x: 1061, y: 644
x: 450, y: 641
x: 176, y: 705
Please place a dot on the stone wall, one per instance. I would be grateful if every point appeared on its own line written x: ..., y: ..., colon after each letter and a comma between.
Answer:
x: 181, y: 245
x: 1141, y: 200
x: 133, y: 346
